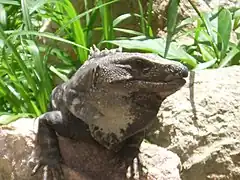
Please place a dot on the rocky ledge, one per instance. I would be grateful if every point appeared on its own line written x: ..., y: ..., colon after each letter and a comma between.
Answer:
x: 199, y: 126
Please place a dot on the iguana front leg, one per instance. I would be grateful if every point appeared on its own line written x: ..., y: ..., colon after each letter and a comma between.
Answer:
x: 130, y: 149
x: 48, y: 156
x: 46, y: 153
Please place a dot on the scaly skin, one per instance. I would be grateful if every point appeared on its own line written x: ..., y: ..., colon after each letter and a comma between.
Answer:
x: 112, y: 98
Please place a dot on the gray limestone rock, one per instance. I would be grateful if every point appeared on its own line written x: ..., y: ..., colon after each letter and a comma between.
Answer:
x: 82, y: 161
x: 201, y: 123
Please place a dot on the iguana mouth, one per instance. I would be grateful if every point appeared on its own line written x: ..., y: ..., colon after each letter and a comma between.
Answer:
x: 170, y: 78
x: 176, y: 80
x: 156, y: 81
x: 158, y: 85
x: 161, y: 88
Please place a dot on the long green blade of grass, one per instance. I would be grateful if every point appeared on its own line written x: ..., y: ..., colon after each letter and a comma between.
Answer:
x: 107, y: 23
x: 47, y: 35
x: 157, y: 46
x: 142, y: 21
x: 17, y: 88
x: 121, y: 18
x: 128, y: 31
x: 8, y: 118
x: 83, y: 14
x: 19, y: 60
x: 10, y: 96
x: 205, y: 65
x: 224, y: 30
x: 149, y: 18
x: 208, y: 26
x: 229, y: 57
x: 26, y: 15
x: 172, y: 14
x: 10, y: 2
x: 3, y: 16
x: 86, y: 9
x: 41, y: 71
x: 77, y: 29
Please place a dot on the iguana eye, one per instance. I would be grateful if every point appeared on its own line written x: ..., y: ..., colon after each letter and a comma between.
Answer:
x: 142, y: 65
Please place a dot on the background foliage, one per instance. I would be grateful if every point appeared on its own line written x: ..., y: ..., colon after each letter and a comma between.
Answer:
x: 35, y: 56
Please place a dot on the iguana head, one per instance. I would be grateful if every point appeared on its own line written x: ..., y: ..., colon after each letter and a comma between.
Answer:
x: 131, y: 72
x: 118, y: 94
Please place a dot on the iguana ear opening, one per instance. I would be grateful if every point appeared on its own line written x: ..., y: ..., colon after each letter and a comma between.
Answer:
x: 95, y: 75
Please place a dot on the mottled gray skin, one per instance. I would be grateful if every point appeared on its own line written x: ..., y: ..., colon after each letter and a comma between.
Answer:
x: 114, y: 94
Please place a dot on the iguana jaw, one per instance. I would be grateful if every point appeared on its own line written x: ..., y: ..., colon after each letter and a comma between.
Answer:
x: 149, y: 68
x: 162, y: 89
x: 163, y: 79
x: 130, y: 73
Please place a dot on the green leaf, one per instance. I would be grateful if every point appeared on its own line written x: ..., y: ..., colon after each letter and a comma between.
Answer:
x: 8, y: 118
x: 142, y: 19
x: 3, y: 16
x: 206, y: 52
x: 209, y: 27
x: 229, y: 57
x: 224, y: 30
x: 172, y: 14
x: 47, y: 35
x: 38, y: 4
x: 236, y: 14
x: 84, y: 14
x: 41, y: 72
x: 77, y: 30
x: 157, y: 46
x: 59, y: 74
x: 128, y: 31
x: 149, y: 18
x: 10, y: 97
x: 10, y: 2
x: 236, y: 59
x: 238, y: 31
x: 205, y: 65
x: 205, y: 17
x: 121, y: 18
x: 19, y: 60
x: 26, y: 15
x: 107, y: 22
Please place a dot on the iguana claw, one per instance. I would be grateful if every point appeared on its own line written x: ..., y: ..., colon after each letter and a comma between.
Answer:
x: 49, y: 173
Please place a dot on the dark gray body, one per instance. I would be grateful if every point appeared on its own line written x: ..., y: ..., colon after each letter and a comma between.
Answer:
x: 114, y: 95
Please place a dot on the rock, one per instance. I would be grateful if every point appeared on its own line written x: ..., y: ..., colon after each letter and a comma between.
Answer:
x: 82, y: 161
x: 201, y: 124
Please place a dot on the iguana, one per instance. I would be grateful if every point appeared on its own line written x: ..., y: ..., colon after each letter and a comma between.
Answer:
x: 114, y: 94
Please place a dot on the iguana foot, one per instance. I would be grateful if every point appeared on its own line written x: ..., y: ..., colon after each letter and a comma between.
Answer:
x: 46, y: 154
x: 126, y: 155
x: 52, y: 169
x: 129, y: 150
x: 49, y: 173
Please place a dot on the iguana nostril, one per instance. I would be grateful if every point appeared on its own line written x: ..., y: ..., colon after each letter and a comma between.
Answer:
x: 185, y: 71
